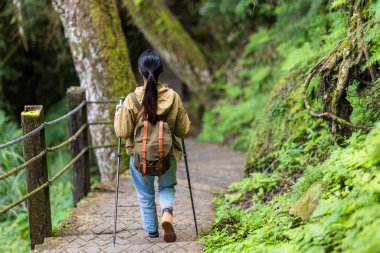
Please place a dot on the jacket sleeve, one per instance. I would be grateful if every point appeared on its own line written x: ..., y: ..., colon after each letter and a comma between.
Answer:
x: 124, y: 120
x: 182, y: 123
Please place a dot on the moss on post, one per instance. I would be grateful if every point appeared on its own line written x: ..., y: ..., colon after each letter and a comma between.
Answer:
x: 33, y: 114
x: 36, y: 174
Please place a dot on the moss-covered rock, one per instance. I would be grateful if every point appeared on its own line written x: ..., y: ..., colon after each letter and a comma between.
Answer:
x: 305, y: 206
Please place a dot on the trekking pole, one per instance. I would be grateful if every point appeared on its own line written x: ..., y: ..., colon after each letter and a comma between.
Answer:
x: 188, y: 181
x: 121, y: 100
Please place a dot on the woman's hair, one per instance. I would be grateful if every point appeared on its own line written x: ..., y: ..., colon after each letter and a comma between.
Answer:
x: 150, y: 66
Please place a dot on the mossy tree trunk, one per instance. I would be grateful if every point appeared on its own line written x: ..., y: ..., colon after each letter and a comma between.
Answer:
x: 164, y: 32
x: 101, y: 59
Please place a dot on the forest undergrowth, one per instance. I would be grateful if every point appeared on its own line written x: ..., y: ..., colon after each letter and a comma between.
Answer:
x: 313, y: 163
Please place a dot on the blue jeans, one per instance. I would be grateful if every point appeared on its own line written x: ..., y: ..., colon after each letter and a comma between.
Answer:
x: 145, y: 193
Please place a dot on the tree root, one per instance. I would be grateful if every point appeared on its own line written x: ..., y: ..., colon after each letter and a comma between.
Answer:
x: 343, y: 55
x: 344, y: 74
x: 329, y: 115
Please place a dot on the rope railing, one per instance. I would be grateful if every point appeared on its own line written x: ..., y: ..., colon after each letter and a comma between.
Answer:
x: 69, y: 140
x: 22, y: 166
x: 42, y: 126
x: 75, y: 110
x: 48, y: 123
x: 44, y: 152
x: 46, y: 184
x: 104, y: 146
x: 59, y: 173
x: 37, y: 181
x: 12, y: 142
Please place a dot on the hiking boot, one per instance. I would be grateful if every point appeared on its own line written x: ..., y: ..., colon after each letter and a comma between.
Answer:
x: 167, y: 226
x: 154, y: 235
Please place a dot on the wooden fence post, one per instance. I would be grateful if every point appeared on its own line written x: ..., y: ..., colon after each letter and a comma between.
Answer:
x: 36, y: 175
x: 81, y: 169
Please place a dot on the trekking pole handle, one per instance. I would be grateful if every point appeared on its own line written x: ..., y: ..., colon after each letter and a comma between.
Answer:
x: 184, y: 148
x: 121, y: 101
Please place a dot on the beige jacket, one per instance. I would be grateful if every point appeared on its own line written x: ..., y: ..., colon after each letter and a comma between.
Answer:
x: 169, y: 104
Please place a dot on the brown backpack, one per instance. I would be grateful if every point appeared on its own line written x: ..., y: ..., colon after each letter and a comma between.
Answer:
x: 153, y: 143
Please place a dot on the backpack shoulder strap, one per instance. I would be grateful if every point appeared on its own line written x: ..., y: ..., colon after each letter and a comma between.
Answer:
x: 160, y: 146
x: 144, y: 147
x: 138, y: 106
x: 135, y: 101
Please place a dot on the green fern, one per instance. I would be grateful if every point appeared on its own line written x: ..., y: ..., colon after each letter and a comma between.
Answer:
x: 257, y: 40
x: 375, y: 57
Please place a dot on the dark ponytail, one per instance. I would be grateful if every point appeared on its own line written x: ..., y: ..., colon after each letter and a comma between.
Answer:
x: 150, y: 66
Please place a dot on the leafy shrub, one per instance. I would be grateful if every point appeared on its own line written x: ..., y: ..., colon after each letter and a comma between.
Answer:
x: 345, y: 220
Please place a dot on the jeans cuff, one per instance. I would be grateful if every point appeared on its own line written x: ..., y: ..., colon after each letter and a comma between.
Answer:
x: 168, y: 209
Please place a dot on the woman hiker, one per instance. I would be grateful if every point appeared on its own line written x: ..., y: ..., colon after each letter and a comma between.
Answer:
x: 157, y: 102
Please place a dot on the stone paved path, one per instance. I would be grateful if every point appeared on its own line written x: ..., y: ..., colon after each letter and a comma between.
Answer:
x: 90, y: 227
